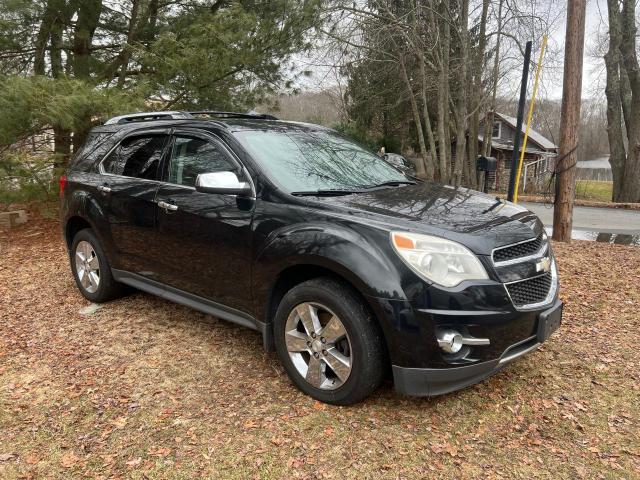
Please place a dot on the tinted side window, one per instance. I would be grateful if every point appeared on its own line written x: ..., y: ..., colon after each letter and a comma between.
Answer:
x: 94, y: 148
x: 137, y: 157
x: 193, y: 156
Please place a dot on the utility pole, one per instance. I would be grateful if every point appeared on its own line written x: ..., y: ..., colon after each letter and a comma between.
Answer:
x: 518, y: 134
x: 569, y: 121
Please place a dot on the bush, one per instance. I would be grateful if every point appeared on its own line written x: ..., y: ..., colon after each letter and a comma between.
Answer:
x: 26, y: 177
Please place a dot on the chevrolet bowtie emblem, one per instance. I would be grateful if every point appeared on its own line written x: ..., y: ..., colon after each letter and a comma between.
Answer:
x: 543, y: 265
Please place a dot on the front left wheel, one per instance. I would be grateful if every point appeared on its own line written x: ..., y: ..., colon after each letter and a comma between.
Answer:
x: 329, y: 343
x: 91, y: 268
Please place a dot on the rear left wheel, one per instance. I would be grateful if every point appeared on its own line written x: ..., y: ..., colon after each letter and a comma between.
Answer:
x: 91, y: 268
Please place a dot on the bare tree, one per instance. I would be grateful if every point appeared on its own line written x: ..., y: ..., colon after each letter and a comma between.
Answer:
x: 623, y: 100
x: 433, y: 56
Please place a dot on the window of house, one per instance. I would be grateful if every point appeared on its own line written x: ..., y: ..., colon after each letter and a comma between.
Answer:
x: 497, y: 129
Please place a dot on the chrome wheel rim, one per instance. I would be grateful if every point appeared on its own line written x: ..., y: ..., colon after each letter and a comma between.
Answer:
x: 318, y: 346
x: 87, y: 266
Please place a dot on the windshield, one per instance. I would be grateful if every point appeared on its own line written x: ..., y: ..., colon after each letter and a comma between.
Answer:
x: 307, y: 161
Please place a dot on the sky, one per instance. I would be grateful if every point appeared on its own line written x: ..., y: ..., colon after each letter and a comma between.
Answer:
x: 593, y: 65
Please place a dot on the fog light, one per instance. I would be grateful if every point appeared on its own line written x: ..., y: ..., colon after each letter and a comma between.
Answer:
x: 450, y: 341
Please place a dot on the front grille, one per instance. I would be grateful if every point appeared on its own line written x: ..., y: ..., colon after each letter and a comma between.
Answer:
x: 530, y: 291
x: 518, y: 250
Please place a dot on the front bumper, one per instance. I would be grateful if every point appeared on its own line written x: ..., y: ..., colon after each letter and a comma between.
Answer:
x: 438, y: 381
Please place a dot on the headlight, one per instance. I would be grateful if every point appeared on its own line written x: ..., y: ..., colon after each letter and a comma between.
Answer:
x: 436, y: 259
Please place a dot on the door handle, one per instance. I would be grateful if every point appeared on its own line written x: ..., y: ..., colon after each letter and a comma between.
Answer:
x: 104, y: 189
x: 169, y: 207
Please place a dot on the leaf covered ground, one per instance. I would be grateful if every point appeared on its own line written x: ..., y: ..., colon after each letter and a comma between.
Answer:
x: 142, y: 388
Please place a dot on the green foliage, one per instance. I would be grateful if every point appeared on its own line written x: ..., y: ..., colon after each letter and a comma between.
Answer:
x: 363, y: 135
x: 228, y: 58
x: 357, y: 132
x: 377, y: 98
x: 32, y: 107
x: 68, y: 64
x: 25, y: 178
x: 31, y: 104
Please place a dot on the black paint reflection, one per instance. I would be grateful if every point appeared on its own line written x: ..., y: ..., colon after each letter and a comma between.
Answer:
x: 207, y: 245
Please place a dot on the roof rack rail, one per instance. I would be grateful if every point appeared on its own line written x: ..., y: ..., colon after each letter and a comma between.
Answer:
x: 251, y: 114
x: 146, y: 116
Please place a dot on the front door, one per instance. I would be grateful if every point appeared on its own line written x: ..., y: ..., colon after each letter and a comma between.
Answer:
x: 129, y: 183
x: 206, y: 238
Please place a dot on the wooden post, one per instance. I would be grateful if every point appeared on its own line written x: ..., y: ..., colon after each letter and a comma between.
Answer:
x: 569, y: 121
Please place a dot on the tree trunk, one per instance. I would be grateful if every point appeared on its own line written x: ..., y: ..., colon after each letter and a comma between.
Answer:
x: 476, y: 98
x: 569, y: 121
x: 42, y: 39
x: 152, y: 14
x: 86, y: 24
x: 488, y: 123
x: 88, y: 16
x: 61, y: 136
x: 623, y: 102
x: 421, y: 167
x: 618, y: 156
x: 444, y: 139
x: 432, y: 164
x: 131, y: 35
x: 630, y: 191
x: 57, y: 27
x: 461, y: 104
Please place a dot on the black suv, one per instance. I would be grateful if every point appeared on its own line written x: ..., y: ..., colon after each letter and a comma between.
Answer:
x: 344, y: 264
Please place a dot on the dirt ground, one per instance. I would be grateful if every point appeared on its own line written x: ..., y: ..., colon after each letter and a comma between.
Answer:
x: 142, y: 388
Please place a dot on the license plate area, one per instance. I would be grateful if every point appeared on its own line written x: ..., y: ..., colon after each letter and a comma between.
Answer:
x: 548, y: 322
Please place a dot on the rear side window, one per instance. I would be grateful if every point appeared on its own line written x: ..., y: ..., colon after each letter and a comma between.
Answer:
x: 137, y: 157
x: 94, y: 148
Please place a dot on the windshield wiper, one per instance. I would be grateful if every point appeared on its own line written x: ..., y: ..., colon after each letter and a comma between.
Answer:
x: 390, y: 183
x: 329, y: 192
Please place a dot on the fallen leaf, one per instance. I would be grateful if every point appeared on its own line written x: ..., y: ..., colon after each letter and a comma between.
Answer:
x: 159, y: 452
x: 120, y: 422
x: 69, y: 459
x: 135, y: 462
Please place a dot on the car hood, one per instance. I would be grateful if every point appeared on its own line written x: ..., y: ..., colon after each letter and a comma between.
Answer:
x: 480, y: 221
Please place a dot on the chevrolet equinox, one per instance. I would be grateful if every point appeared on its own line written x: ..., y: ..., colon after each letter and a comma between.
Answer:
x: 349, y: 268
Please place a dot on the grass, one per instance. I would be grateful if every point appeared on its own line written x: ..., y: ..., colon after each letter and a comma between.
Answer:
x: 593, y: 190
x: 143, y: 388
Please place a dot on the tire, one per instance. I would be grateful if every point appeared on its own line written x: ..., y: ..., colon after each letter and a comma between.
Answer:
x: 85, y: 242
x: 357, y: 351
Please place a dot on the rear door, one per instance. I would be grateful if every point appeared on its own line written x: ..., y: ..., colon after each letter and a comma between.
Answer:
x: 130, y: 180
x: 205, y: 237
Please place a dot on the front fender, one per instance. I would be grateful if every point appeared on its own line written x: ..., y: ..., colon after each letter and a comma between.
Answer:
x: 360, y: 260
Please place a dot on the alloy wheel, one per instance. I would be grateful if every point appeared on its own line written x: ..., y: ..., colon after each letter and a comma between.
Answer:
x: 318, y: 345
x: 87, y: 266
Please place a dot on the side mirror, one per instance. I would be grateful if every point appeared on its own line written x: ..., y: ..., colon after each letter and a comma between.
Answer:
x: 226, y: 183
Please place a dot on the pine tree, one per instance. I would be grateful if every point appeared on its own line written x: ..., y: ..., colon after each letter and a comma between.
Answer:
x: 68, y: 64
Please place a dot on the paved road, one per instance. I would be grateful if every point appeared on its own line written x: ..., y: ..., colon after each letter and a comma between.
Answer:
x: 612, y: 220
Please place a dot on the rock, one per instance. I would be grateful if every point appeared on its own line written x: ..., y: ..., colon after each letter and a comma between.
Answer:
x: 90, y: 309
x: 13, y: 219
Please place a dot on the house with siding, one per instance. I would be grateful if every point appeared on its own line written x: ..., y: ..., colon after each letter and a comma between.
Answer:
x: 538, y: 159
